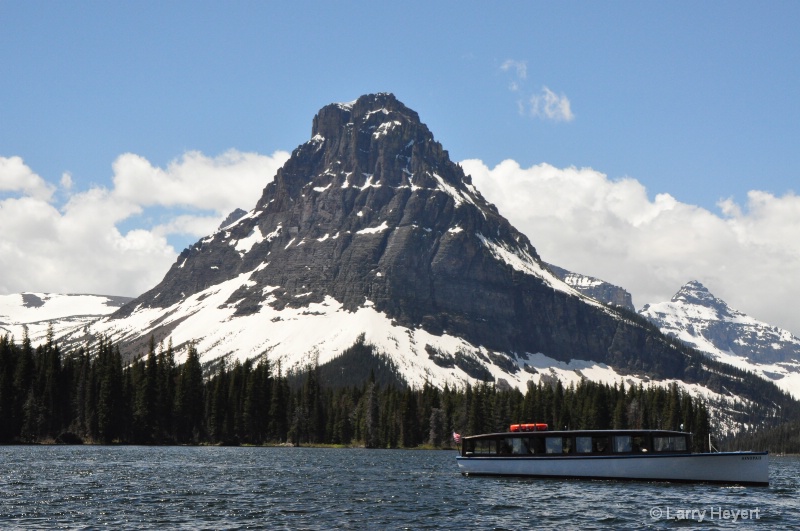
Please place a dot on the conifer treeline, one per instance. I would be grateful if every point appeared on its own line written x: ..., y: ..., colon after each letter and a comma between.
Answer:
x: 781, y: 439
x: 92, y: 396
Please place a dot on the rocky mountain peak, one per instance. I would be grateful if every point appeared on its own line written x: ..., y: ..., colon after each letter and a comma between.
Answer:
x: 696, y: 294
x: 695, y: 316
x: 373, y: 141
x: 370, y: 110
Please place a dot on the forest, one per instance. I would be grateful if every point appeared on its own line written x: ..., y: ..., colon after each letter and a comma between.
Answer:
x: 92, y: 396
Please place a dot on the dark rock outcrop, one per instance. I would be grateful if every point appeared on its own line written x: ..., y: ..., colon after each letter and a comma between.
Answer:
x: 595, y: 288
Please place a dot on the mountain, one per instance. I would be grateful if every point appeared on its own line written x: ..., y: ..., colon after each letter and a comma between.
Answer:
x: 707, y: 323
x: 595, y: 288
x: 370, y: 234
x: 64, y: 313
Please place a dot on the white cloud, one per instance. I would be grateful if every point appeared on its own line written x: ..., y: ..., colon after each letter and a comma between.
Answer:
x: 190, y: 225
x: 16, y: 176
x: 220, y: 184
x: 545, y: 104
x: 81, y: 247
x: 580, y: 219
x: 66, y: 181
x: 520, y: 67
x: 551, y: 106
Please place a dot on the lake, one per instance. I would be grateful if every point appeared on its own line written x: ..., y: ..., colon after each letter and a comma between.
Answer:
x: 138, y: 487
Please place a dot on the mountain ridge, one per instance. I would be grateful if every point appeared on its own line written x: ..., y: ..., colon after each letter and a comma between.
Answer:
x: 63, y: 312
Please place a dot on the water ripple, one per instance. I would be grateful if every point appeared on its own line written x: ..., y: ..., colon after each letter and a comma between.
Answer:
x: 132, y: 487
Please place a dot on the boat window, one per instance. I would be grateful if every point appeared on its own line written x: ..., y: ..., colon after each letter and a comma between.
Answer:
x: 583, y: 445
x: 505, y: 446
x: 600, y: 444
x: 622, y: 443
x: 536, y: 445
x: 567, y: 446
x: 481, y: 446
x: 669, y: 443
x: 554, y: 445
x: 639, y: 444
x: 520, y: 446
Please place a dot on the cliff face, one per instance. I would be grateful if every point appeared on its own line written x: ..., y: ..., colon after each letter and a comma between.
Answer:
x: 595, y: 288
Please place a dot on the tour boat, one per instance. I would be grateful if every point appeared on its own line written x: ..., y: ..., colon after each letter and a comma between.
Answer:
x: 646, y: 455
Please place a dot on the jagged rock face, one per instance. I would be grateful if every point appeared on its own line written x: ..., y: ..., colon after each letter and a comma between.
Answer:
x: 232, y: 217
x: 595, y: 288
x: 703, y: 320
x: 371, y: 211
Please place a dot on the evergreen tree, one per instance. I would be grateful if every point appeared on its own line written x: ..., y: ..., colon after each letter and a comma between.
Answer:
x: 189, y: 399
x: 371, y: 417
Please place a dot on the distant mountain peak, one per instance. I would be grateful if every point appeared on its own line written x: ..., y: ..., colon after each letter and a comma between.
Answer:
x: 695, y: 293
x: 698, y: 318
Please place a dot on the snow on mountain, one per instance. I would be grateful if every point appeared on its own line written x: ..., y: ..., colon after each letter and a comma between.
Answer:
x: 319, y: 332
x: 65, y: 313
x: 707, y: 323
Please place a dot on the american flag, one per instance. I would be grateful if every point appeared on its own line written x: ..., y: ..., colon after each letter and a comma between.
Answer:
x: 456, y: 438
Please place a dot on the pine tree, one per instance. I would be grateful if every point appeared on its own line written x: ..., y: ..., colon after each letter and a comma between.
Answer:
x: 189, y: 399
x: 8, y: 356
x: 372, y: 437
x: 166, y: 393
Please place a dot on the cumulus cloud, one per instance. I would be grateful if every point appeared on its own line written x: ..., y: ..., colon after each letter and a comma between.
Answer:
x: 81, y: 246
x: 583, y: 221
x: 17, y: 177
x: 195, y: 180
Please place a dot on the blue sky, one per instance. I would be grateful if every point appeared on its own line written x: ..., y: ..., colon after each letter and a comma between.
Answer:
x: 694, y: 102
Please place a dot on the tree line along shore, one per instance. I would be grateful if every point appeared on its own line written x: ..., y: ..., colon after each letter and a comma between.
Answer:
x: 90, y: 395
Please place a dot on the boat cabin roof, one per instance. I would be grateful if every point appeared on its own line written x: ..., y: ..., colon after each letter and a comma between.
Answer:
x: 577, y: 433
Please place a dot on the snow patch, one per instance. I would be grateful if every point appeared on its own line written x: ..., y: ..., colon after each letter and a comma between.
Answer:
x: 385, y: 128
x: 274, y: 234
x: 245, y: 244
x: 372, y: 230
x: 369, y: 182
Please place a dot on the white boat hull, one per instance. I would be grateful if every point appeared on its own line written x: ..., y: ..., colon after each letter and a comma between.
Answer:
x: 725, y: 467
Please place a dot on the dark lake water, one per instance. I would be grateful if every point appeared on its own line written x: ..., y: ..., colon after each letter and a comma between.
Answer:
x: 133, y: 487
